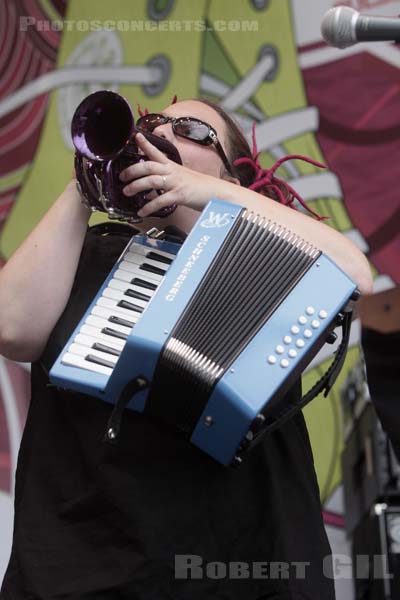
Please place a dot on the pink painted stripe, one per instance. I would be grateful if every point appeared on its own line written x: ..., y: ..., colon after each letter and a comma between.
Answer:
x: 6, y: 200
x: 367, y: 116
x: 9, y: 193
x: 34, y: 10
x: 25, y: 127
x: 310, y: 47
x: 13, y: 119
x: 5, y: 209
x: 3, y: 24
x: 375, y: 108
x: 13, y: 66
x: 9, y: 37
x: 5, y: 460
x: 333, y: 519
x: 25, y: 130
x: 20, y: 75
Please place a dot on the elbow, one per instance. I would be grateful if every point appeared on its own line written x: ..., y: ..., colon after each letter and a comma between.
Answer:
x: 17, y: 348
x: 363, y: 277
x: 366, y: 285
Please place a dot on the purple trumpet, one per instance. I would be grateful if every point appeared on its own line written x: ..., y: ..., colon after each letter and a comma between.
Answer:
x: 103, y: 130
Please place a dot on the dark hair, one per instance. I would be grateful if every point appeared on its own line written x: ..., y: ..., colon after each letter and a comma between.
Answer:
x: 238, y: 147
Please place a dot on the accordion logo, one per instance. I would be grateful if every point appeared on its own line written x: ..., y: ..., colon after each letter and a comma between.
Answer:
x: 216, y: 220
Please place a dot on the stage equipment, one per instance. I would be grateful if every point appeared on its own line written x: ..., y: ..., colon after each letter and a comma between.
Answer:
x: 343, y: 26
x: 376, y: 554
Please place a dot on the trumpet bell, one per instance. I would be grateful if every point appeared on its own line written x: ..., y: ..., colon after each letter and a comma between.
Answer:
x: 102, y: 125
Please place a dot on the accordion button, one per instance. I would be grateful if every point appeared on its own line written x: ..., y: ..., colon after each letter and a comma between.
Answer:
x: 300, y: 343
x: 315, y: 323
x: 322, y: 314
x: 307, y: 333
x: 310, y: 310
x: 292, y: 353
x: 302, y: 320
x: 287, y: 339
x: 294, y: 329
x: 284, y: 363
x: 279, y: 349
x: 271, y: 359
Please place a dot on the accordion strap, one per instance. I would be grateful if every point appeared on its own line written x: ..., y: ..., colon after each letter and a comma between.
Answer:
x: 114, y: 422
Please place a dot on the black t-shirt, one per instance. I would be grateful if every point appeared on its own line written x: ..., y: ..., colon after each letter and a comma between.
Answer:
x: 153, y: 517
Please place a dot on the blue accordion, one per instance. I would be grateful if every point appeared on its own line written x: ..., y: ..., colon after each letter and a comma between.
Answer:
x: 208, y: 335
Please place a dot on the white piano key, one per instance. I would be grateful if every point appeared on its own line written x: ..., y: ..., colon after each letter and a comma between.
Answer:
x: 118, y: 310
x: 106, y: 313
x: 89, y: 340
x: 101, y: 323
x: 136, y: 271
x: 84, y: 351
x: 127, y: 276
x: 117, y: 295
x: 139, y: 259
x: 77, y: 361
x: 140, y: 249
x: 95, y: 333
x: 116, y: 284
x: 121, y: 275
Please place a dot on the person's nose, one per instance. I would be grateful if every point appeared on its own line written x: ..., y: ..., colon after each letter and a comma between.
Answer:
x: 165, y: 131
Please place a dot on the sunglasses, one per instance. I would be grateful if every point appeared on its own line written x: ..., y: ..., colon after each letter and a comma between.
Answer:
x: 186, y: 127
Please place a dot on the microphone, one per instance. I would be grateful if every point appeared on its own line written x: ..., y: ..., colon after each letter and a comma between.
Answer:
x: 343, y: 26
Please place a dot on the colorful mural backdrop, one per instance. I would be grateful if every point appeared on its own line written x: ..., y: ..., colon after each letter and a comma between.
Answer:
x: 265, y: 62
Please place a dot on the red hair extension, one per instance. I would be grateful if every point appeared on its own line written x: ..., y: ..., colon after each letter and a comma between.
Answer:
x: 141, y: 113
x: 266, y: 177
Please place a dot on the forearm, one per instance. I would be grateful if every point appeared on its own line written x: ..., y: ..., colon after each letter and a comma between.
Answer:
x: 191, y: 190
x: 36, y: 281
x: 339, y: 248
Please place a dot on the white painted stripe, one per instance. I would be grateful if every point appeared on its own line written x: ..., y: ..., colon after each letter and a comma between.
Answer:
x: 278, y: 129
x: 211, y: 85
x: 386, y: 51
x: 358, y: 239
x: 383, y: 283
x: 318, y: 185
x: 141, y: 75
x: 249, y: 84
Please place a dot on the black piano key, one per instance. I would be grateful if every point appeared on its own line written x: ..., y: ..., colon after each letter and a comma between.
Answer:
x: 137, y: 295
x: 107, y: 349
x: 144, y: 284
x: 151, y: 269
x: 114, y: 333
x: 119, y: 321
x: 159, y: 257
x: 99, y: 361
x: 130, y: 306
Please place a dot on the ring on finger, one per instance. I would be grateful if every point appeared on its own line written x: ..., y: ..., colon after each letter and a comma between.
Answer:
x: 162, y: 189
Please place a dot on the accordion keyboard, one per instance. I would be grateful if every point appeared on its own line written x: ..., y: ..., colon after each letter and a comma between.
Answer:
x: 103, y: 334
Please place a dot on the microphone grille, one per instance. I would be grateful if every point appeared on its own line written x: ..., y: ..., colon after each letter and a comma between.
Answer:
x: 338, y: 26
